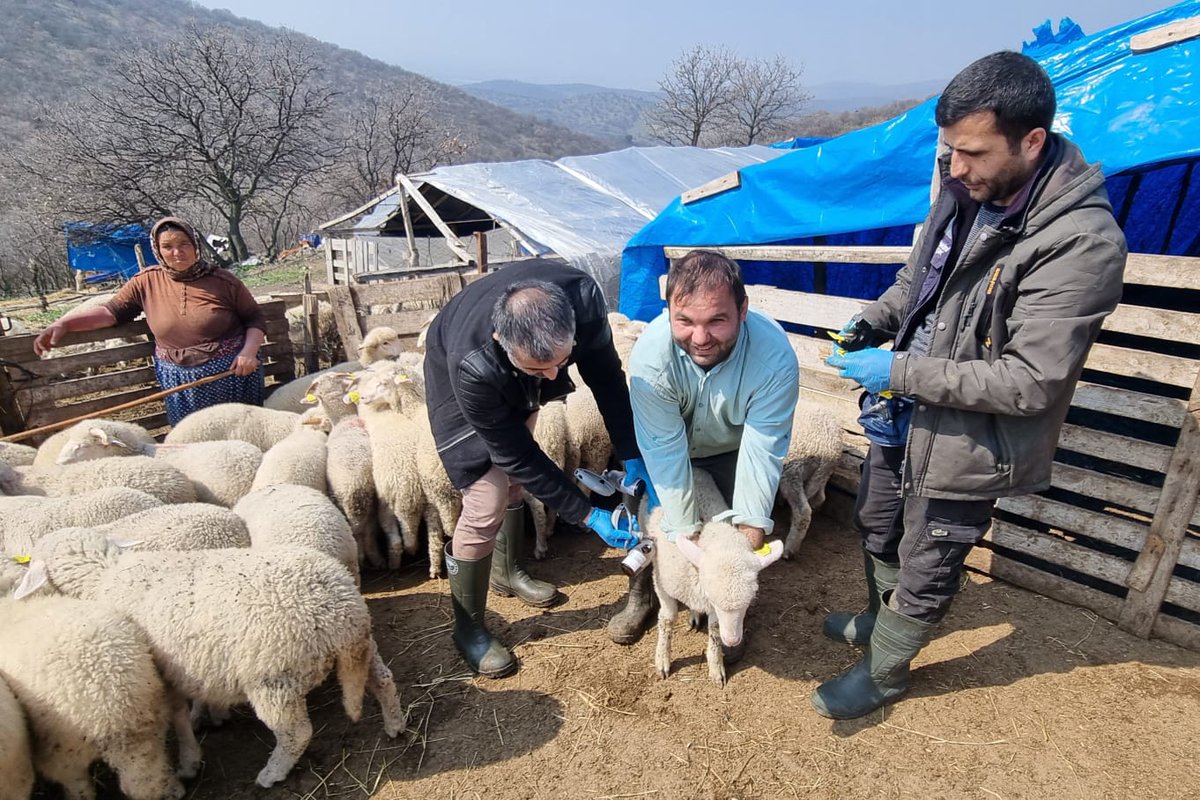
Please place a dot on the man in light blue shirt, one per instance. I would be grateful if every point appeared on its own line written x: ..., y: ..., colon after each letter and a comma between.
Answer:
x: 713, y: 384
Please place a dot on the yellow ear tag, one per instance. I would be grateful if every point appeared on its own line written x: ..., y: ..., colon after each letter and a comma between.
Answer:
x: 354, y: 397
x: 310, y: 398
x: 21, y: 559
x: 765, y: 550
x: 402, y: 378
x: 837, y: 337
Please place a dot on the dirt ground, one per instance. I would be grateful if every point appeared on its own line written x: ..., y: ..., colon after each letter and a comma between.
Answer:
x: 1017, y: 697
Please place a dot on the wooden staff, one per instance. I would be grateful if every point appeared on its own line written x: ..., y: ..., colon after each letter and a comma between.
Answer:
x: 66, y: 423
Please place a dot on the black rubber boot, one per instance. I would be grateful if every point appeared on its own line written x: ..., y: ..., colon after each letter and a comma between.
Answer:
x: 508, y: 576
x: 468, y: 592
x: 881, y: 674
x: 842, y: 626
x: 627, y: 626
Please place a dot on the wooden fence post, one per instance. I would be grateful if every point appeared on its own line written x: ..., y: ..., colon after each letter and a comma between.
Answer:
x: 481, y: 253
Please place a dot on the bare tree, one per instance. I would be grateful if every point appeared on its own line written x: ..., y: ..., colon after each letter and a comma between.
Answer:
x: 235, y: 125
x: 767, y: 98
x: 697, y: 95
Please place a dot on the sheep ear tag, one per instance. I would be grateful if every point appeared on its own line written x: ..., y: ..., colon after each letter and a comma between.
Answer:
x: 691, y: 551
x: 773, y: 548
x: 35, y: 577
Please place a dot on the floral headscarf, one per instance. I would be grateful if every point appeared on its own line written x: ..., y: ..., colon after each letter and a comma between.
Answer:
x: 202, y: 266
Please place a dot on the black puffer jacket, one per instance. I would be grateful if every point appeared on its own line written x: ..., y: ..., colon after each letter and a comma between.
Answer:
x: 479, y: 402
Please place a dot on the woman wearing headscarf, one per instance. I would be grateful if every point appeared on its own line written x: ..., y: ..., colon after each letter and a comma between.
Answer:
x: 204, y: 321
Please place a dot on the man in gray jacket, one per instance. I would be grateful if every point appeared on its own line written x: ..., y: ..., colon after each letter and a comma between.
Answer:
x: 1017, y: 265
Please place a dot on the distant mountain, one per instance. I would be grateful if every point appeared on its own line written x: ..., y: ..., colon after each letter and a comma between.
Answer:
x: 852, y: 96
x: 611, y: 114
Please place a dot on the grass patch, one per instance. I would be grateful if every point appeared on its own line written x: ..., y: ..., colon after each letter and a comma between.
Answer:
x: 287, y: 272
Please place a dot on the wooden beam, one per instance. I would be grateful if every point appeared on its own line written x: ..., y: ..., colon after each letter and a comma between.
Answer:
x: 414, y: 257
x: 829, y: 253
x: 373, y: 202
x: 481, y: 253
x: 1114, y: 447
x: 452, y: 241
x: 733, y: 180
x: 1173, y: 272
x: 346, y: 319
x: 1173, y: 370
x: 1149, y: 582
x: 1168, y: 411
x: 1156, y: 323
x: 1165, y: 35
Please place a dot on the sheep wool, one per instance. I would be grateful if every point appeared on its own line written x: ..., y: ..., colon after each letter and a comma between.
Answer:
x: 25, y: 520
x: 297, y: 459
x: 289, y: 516
x: 261, y: 427
x: 185, y: 526
x: 16, y: 761
x: 17, y: 455
x: 163, y: 481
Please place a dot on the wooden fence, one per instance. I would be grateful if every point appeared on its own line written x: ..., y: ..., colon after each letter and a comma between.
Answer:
x: 1118, y: 531
x: 36, y: 392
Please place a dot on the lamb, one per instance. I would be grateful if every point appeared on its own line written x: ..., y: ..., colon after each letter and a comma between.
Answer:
x: 552, y: 436
x: 87, y: 681
x: 186, y: 526
x: 261, y: 427
x: 11, y: 573
x: 297, y: 459
x: 378, y: 344
x: 24, y: 520
x: 352, y: 486
x: 298, y: 613
x: 814, y: 450
x: 716, y: 575
x: 17, y: 455
x: 49, y: 451
x: 589, y: 446
x: 288, y: 516
x: 16, y: 761
x: 155, y: 478
x: 221, y: 471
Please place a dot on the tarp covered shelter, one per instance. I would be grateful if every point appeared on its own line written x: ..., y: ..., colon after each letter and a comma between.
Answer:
x: 105, y: 250
x: 1138, y: 113
x: 582, y: 208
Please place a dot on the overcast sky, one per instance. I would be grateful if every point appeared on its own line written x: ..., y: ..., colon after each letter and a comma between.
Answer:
x: 630, y: 43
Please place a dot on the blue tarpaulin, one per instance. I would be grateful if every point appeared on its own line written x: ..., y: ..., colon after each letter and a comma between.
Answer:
x: 106, y: 250
x: 1136, y: 113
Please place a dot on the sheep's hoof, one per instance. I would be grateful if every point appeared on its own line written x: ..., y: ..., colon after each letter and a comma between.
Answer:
x: 394, y: 557
x: 539, y: 551
x: 698, y: 621
x: 176, y: 790
x: 663, y: 672
x: 716, y: 674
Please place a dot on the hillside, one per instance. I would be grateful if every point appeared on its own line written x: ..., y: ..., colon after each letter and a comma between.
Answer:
x: 611, y: 114
x: 51, y: 51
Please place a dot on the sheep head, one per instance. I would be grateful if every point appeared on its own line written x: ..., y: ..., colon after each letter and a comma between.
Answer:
x: 728, y: 573
x: 89, y: 442
x: 378, y: 344
x: 70, y: 561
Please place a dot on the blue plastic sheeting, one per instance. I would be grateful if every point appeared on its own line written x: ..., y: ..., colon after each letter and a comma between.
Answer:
x: 1139, y: 115
x: 799, y: 142
x: 105, y: 249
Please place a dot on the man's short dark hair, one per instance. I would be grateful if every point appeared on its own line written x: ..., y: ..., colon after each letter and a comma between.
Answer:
x: 704, y: 270
x: 534, y: 317
x: 1012, y: 85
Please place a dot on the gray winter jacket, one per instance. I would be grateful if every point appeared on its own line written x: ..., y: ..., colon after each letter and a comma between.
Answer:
x: 1014, y: 323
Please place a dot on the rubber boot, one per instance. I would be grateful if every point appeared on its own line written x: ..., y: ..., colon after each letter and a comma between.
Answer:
x: 881, y: 674
x: 627, y: 626
x: 842, y: 626
x: 508, y: 576
x: 468, y: 593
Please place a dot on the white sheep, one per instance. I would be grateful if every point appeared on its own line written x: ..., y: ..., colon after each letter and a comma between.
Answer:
x: 348, y: 470
x: 153, y: 477
x: 25, y: 519
x: 85, y: 676
x: 813, y: 452
x: 289, y: 516
x: 17, y: 455
x: 377, y: 344
x: 261, y: 427
x: 552, y: 436
x: 16, y: 760
x: 715, y: 574
x: 297, y: 614
x: 129, y: 433
x: 299, y: 459
x: 589, y: 445
x: 11, y: 573
x: 221, y: 471
x: 185, y: 526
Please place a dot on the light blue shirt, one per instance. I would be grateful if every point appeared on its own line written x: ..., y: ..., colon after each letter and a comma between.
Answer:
x: 745, y: 403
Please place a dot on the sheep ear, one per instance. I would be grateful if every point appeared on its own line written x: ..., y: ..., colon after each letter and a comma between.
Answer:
x: 100, y: 435
x: 35, y: 578
x: 68, y: 452
x: 775, y: 550
x: 691, y: 551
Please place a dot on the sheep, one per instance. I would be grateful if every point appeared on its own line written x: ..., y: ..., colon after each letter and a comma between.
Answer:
x: 186, y: 526
x: 11, y: 573
x: 161, y: 480
x: 261, y: 427
x: 589, y: 446
x: 378, y: 344
x: 716, y: 575
x: 16, y: 761
x: 552, y: 436
x: 287, y: 515
x: 87, y: 681
x: 298, y: 459
x: 814, y: 450
x: 297, y: 614
x: 17, y: 455
x: 24, y: 520
x: 221, y: 471
x: 127, y: 432
x: 352, y: 486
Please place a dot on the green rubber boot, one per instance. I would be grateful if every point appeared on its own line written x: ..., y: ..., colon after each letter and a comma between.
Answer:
x: 881, y: 674
x: 842, y: 626
x: 468, y: 593
x: 508, y: 575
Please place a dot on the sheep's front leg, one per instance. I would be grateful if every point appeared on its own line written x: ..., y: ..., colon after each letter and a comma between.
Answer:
x: 541, y: 522
x: 712, y: 654
x: 668, y: 607
x: 391, y: 534
x: 793, y: 493
x: 189, y: 749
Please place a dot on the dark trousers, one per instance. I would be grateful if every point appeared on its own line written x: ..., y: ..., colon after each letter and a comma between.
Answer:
x: 929, y: 538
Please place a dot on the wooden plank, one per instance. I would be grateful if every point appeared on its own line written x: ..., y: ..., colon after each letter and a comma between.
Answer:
x: 819, y: 310
x: 1106, y: 605
x: 66, y: 365
x: 20, y: 348
x: 733, y: 180
x: 1110, y: 489
x: 831, y: 254
x: 1114, y: 447
x: 45, y: 415
x: 1178, y: 31
x: 452, y: 241
x: 1173, y: 370
x: 405, y: 323
x: 61, y: 390
x: 344, y: 316
x: 1150, y: 579
x: 1156, y: 323
x: 1169, y: 411
x: 435, y: 289
x: 1175, y: 272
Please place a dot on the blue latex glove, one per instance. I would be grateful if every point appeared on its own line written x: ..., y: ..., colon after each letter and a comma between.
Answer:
x: 635, y: 470
x: 870, y: 368
x: 600, y: 521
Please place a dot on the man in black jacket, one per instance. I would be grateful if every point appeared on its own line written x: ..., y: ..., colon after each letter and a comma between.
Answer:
x: 495, y: 354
